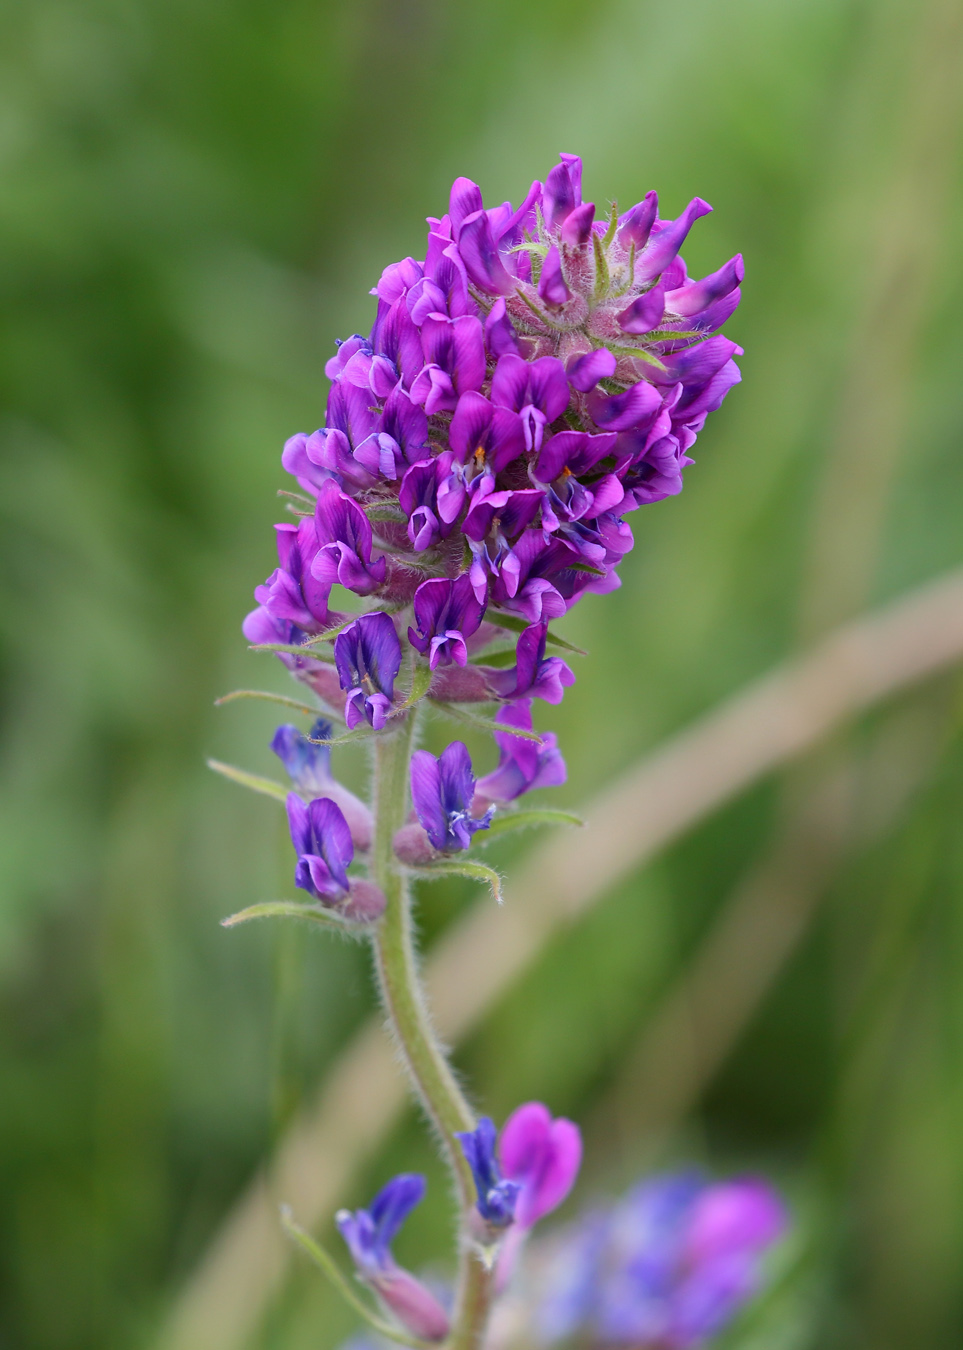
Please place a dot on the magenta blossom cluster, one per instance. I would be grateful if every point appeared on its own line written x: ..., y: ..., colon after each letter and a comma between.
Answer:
x: 535, y: 377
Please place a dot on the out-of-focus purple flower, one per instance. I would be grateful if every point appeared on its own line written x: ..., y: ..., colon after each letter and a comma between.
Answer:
x: 309, y: 767
x: 369, y: 1234
x: 446, y: 613
x: 442, y: 790
x: 497, y: 1196
x: 344, y: 538
x: 669, y: 1265
x: 368, y: 657
x: 523, y: 765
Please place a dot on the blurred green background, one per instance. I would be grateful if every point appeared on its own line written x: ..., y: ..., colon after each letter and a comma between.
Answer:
x: 195, y: 199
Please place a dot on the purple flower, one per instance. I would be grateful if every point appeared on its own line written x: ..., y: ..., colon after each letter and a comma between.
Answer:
x: 537, y: 390
x: 535, y: 376
x: 492, y: 521
x: 496, y: 1197
x: 442, y: 790
x: 322, y: 842
x: 292, y: 592
x: 454, y: 361
x: 344, y: 538
x: 669, y: 1266
x: 446, y: 613
x: 368, y: 657
x: 543, y: 1155
x: 523, y: 765
x: 369, y: 1234
x: 533, y: 674
x: 401, y: 440
x: 423, y: 498
x: 489, y: 438
x: 309, y: 768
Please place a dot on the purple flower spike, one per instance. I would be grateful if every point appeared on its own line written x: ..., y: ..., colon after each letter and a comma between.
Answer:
x: 309, y: 768
x: 322, y: 841
x: 344, y: 533
x: 529, y: 380
x: 369, y: 1234
x: 496, y: 1197
x: 523, y: 765
x: 368, y: 657
x: 442, y: 791
x: 446, y: 613
x: 543, y: 1155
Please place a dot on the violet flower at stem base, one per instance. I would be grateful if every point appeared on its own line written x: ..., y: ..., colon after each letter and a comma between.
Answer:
x: 404, y: 1003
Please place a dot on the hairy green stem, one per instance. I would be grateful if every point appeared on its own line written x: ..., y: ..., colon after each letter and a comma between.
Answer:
x: 404, y: 1002
x: 397, y: 967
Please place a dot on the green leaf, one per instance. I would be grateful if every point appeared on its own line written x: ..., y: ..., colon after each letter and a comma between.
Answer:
x: 358, y: 734
x: 460, y: 714
x: 518, y: 625
x: 295, y: 704
x: 310, y: 652
x: 267, y: 786
x: 523, y: 820
x: 285, y: 909
x: 476, y: 870
x: 420, y: 681
x: 639, y: 352
x: 326, y: 1263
